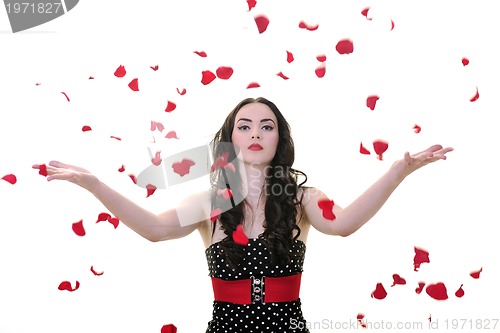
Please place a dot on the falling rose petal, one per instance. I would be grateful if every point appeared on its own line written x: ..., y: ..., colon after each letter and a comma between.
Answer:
x: 181, y: 92
x: 170, y: 106
x: 360, y: 317
x: 201, y: 53
x: 345, y: 46
x: 156, y: 160
x: 251, y: 4
x: 476, y: 274
x: 363, y: 150
x: 214, y: 214
x: 133, y: 177
x: 289, y: 57
x: 262, y: 23
x: 78, y: 228
x: 150, y: 190
x: 379, y: 292
x: 417, y: 128
x: 437, y: 291
x: 320, y: 71
x: 224, y: 72
x: 207, y: 77
x: 66, y: 285
x: 465, y: 61
x: 380, y: 147
x: 171, y: 135
x: 103, y: 217
x: 170, y: 328
x: 67, y: 98
x: 476, y: 96
x: 134, y: 84
x: 115, y: 137
x: 120, y: 71
x: 364, y: 12
x: 95, y: 272
x: 86, y: 128
x: 397, y: 280
x: 283, y: 76
x: 221, y: 162
x: 182, y: 168
x: 155, y: 68
x: 10, y: 178
x: 420, y: 287
x: 371, y: 101
x: 306, y: 26
x: 37, y: 84
x: 421, y: 256
x: 91, y: 77
x: 157, y: 125
x: 239, y: 236
x: 321, y: 58
x: 225, y: 193
x: 460, y: 292
x: 42, y: 170
x: 122, y: 168
x: 392, y: 25
x: 253, y: 85
x: 326, y: 207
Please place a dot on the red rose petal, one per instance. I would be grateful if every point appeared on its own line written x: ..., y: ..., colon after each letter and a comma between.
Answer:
x: 421, y: 256
x: 114, y: 221
x: 181, y: 92
x: 345, y: 46
x: 251, y: 4
x: 134, y: 85
x: 120, y: 71
x: 371, y: 101
x: 222, y: 162
x: 417, y: 128
x: 306, y: 26
x: 10, y: 178
x: 262, y: 23
x: 326, y: 207
x: 65, y: 95
x: 437, y: 291
x: 321, y: 58
x: 420, y: 287
x: 207, y: 77
x: 224, y: 72
x: 320, y: 71
x: 156, y: 160
x: 95, y: 272
x: 115, y: 137
x: 122, y: 168
x: 102, y: 217
x: 364, y: 12
x: 283, y: 76
x: 363, y: 150
x: 201, y: 53
x: 465, y: 61
x: 214, y: 214
x: 182, y: 168
x: 78, y: 228
x: 289, y: 57
x: 379, y: 292
x: 170, y: 106
x: 133, y: 177
x: 86, y: 128
x: 253, y: 85
x: 239, y: 236
x: 66, y: 285
x: 91, y: 77
x: 150, y: 190
x: 155, y: 68
x: 460, y: 292
x: 380, y: 147
x: 42, y: 170
x: 476, y: 274
x: 170, y: 328
x: 476, y: 96
x: 360, y: 317
x: 397, y: 280
x: 157, y: 125
x: 392, y: 25
x: 171, y: 135
x: 225, y: 193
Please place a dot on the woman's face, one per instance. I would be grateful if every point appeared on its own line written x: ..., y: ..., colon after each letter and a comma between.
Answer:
x: 255, y: 132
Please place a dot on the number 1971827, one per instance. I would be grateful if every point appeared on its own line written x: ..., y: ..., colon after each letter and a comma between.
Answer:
x: 32, y: 8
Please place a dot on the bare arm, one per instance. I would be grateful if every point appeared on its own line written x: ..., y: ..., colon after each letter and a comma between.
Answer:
x: 361, y: 210
x: 147, y: 224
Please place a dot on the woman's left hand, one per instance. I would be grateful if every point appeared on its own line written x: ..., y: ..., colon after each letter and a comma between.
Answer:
x: 414, y: 162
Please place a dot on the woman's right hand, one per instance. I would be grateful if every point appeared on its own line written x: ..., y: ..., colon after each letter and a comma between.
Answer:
x: 71, y: 173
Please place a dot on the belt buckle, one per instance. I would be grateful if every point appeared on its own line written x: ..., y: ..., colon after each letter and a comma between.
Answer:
x: 257, y: 289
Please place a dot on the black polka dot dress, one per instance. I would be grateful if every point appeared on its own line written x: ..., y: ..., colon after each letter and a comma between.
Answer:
x: 279, y: 317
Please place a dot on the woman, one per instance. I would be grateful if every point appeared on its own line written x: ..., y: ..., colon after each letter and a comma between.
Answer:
x: 255, y: 219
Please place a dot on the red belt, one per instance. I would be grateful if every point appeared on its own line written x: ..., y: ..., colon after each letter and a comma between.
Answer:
x: 266, y: 289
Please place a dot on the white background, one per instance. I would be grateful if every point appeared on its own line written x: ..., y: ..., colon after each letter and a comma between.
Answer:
x: 448, y: 208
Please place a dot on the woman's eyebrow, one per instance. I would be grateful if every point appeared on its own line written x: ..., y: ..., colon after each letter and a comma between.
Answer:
x: 262, y: 120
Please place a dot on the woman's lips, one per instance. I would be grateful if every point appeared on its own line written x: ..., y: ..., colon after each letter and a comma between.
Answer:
x: 255, y: 146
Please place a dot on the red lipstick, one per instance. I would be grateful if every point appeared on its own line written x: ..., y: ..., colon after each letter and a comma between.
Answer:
x: 255, y: 146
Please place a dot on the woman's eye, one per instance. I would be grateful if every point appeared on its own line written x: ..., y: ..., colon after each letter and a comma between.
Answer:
x: 243, y: 127
x: 267, y: 127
